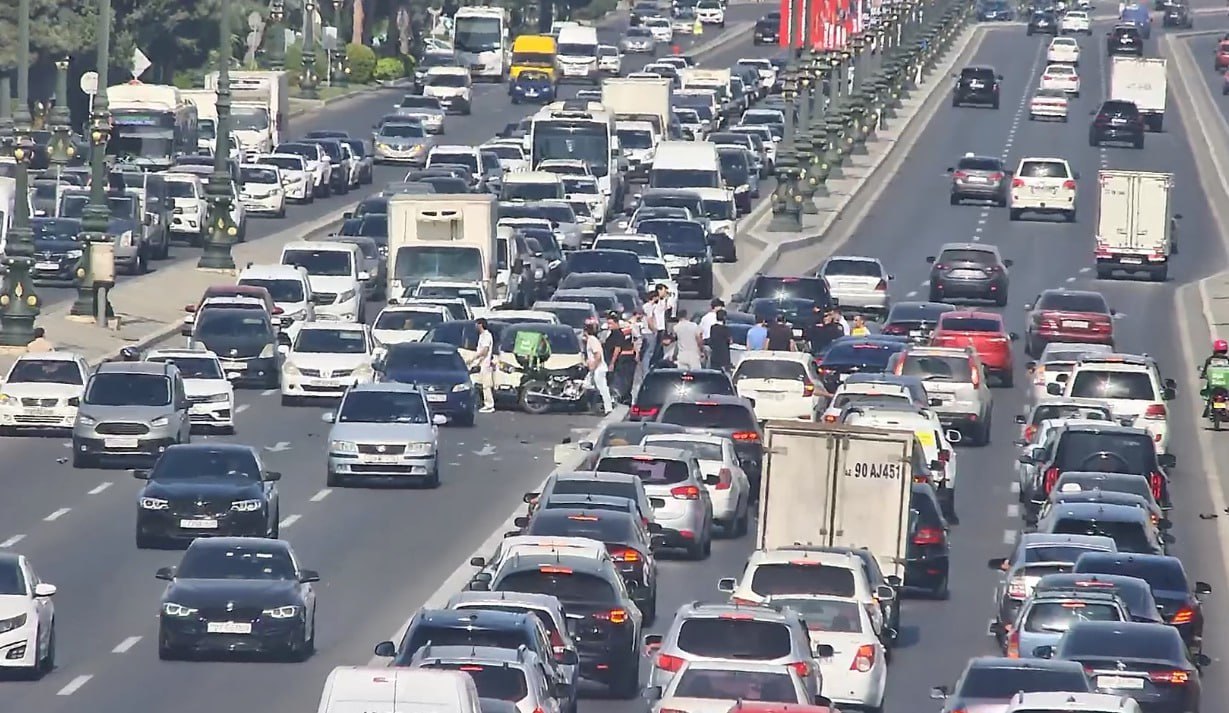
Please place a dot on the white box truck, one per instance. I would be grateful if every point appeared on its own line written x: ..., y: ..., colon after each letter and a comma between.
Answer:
x: 639, y: 100
x: 260, y: 108
x: 206, y: 103
x: 835, y: 486
x: 718, y: 80
x: 441, y: 237
x: 1134, y: 226
x: 1143, y: 82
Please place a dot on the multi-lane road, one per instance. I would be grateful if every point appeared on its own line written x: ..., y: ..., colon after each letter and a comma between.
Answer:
x: 382, y: 553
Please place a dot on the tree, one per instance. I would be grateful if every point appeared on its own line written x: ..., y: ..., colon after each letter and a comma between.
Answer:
x: 57, y: 28
x: 175, y: 34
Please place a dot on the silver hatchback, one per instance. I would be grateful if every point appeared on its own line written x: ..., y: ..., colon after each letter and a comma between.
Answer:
x: 676, y: 488
x: 858, y: 284
x: 130, y: 410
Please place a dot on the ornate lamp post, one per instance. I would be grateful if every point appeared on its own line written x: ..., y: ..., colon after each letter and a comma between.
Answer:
x: 6, y: 104
x: 222, y: 229
x: 307, y: 76
x: 277, y: 48
x: 19, y: 305
x: 62, y: 149
x: 96, y: 272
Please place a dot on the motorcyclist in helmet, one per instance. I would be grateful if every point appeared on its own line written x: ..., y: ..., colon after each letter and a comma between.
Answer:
x: 1219, y: 356
x: 129, y: 354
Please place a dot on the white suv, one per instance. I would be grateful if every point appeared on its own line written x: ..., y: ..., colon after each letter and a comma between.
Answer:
x: 190, y: 208
x: 1131, y: 385
x: 334, y: 271
x: 290, y: 289
x: 1043, y: 185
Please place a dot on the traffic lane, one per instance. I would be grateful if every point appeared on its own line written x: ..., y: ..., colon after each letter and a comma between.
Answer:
x: 1203, y: 48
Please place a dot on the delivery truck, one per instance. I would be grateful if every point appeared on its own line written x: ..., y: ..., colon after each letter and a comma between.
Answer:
x: 206, y: 103
x: 1143, y: 82
x: 836, y: 486
x: 441, y: 236
x: 637, y: 99
x: 1134, y: 226
x: 259, y: 109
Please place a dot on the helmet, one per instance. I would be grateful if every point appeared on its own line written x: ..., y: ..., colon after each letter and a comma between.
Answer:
x: 1220, y: 346
x: 132, y: 354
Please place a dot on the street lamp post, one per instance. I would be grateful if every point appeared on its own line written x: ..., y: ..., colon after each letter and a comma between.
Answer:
x: 96, y: 271
x: 6, y: 104
x: 222, y: 229
x: 307, y: 76
x: 19, y: 305
x: 277, y: 48
x: 62, y: 149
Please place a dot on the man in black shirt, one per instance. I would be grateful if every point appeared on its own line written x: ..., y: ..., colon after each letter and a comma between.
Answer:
x: 780, y: 336
x: 822, y: 334
x: 620, y: 355
x: 719, y: 341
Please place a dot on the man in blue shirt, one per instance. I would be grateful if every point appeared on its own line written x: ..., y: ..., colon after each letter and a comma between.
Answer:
x: 757, y: 336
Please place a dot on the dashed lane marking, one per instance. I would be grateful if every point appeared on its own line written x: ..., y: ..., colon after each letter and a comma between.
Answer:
x: 268, y: 392
x: 57, y: 515
x: 75, y: 685
x: 320, y: 495
x: 1013, y: 510
x: 100, y: 487
x: 11, y: 541
x: 1009, y: 537
x: 911, y: 294
x: 289, y: 520
x: 242, y: 407
x: 125, y: 645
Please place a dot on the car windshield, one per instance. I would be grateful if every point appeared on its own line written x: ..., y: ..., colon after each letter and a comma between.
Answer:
x: 473, y: 296
x: 403, y: 319
x: 996, y: 682
x: 360, y: 406
x: 562, y: 583
x: 128, y: 389
x: 403, y: 131
x: 447, y: 80
x: 505, y: 683
x: 1129, y: 535
x: 1161, y: 643
x: 1106, y: 452
x: 562, y: 339
x: 506, y: 152
x: 422, y: 357
x: 1073, y: 302
x: 260, y: 175
x: 196, y: 463
x: 1043, y: 169
x: 279, y: 290
x: 726, y: 684
x: 654, y: 271
x: 833, y: 615
x: 321, y: 263
x: 574, y: 317
x: 701, y: 450
x: 710, y: 415
x: 45, y: 371
x: 230, y: 323
x: 236, y: 562
x: 853, y: 268
x: 937, y: 368
x: 12, y: 579
x: 658, y: 387
x: 1101, y: 385
x: 650, y: 470
x: 770, y: 369
x: 193, y: 367
x: 1162, y: 574
x: 331, y: 341
x: 1046, y: 412
x: 181, y: 189
x: 971, y: 324
x: 600, y: 526
x: 1057, y: 617
x: 802, y: 577
x: 457, y: 158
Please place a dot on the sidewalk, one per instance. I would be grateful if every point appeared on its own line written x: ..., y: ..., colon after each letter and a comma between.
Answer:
x: 301, y: 107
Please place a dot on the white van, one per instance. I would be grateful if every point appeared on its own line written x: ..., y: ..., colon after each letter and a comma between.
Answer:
x: 685, y: 164
x: 289, y: 286
x: 576, y: 53
x: 532, y: 186
x: 334, y: 271
x: 361, y: 689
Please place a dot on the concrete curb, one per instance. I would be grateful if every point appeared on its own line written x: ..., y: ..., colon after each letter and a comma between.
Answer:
x: 967, y: 44
x: 315, y: 105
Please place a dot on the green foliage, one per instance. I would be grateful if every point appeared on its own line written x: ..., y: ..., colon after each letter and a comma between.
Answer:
x: 389, y: 68
x: 594, y: 10
x: 294, y: 62
x: 362, y: 63
x: 57, y: 28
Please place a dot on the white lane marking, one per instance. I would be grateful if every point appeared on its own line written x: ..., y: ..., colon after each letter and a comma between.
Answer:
x: 976, y: 238
x: 11, y: 541
x: 1013, y: 510
x: 270, y: 392
x: 1009, y: 537
x: 1085, y: 270
x: 925, y: 283
x: 1070, y: 279
x: 242, y: 407
x: 75, y: 685
x: 1015, y: 487
x: 911, y: 294
x: 57, y: 515
x: 321, y: 495
x: 100, y: 487
x: 125, y: 645
x: 289, y: 520
x: 278, y: 447
x: 487, y: 450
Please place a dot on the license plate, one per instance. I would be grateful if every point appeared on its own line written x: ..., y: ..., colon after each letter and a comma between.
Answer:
x: 797, y: 334
x: 1218, y: 405
x: 120, y: 442
x: 318, y: 382
x: 46, y: 266
x: 1119, y: 682
x: 228, y: 627
x: 234, y: 374
x: 771, y: 396
x: 437, y: 398
x: 41, y: 411
x: 383, y: 459
x: 1075, y: 324
x: 200, y: 524
x: 978, y: 179
x: 968, y: 274
x: 1117, y: 122
x: 1132, y: 261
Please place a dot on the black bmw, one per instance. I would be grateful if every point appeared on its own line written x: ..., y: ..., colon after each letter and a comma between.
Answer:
x: 237, y: 595
x: 206, y: 490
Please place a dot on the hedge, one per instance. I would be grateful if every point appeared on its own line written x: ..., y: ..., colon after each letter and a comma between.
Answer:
x: 361, y: 60
x: 389, y: 68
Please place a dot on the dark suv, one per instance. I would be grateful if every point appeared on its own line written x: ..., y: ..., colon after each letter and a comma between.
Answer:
x: 1124, y: 40
x: 1043, y: 22
x: 767, y: 29
x: 661, y: 385
x: 977, y: 85
x: 1118, y: 120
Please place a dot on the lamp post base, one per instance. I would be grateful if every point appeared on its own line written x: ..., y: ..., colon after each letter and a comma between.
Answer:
x: 216, y: 258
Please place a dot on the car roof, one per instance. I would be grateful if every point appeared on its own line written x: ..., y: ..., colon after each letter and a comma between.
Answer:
x: 1112, y: 512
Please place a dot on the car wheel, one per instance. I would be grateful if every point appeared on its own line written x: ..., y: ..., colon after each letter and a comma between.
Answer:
x: 333, y: 480
x: 1014, y: 214
x: 166, y: 652
x: 146, y: 542
x: 695, y: 550
x: 1138, y: 143
x: 83, y: 460
x: 46, y: 664
x: 1007, y: 380
x: 433, y: 481
x: 953, y: 199
x: 275, y: 527
x: 939, y: 590
x: 288, y: 401
x: 1070, y: 216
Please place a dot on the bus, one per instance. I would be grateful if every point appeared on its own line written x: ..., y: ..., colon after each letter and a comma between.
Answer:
x: 150, y: 125
x: 480, y: 36
x: 579, y: 130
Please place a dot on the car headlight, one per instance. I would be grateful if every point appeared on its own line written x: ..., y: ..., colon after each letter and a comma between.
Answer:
x: 348, y: 447
x: 252, y: 505
x: 6, y: 400
x: 217, y: 398
x: 125, y: 239
x: 160, y: 421
x: 268, y: 351
x: 290, y: 369
x: 346, y: 296
x: 419, y: 449
x: 73, y: 254
x: 461, y: 388
x: 177, y: 610
x: 538, y: 273
x: 83, y: 420
x: 74, y: 402
x: 13, y: 622
x: 286, y: 612
x: 154, y: 504
x: 363, y: 370
x: 693, y: 261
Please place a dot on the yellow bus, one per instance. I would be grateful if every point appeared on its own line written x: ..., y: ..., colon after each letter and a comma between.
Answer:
x: 533, y: 52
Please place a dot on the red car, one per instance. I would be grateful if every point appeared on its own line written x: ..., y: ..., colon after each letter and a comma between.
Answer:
x: 1221, y: 63
x: 985, y: 333
x: 1068, y: 316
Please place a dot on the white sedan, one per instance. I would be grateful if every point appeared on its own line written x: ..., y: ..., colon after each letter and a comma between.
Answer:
x: 325, y: 360
x: 727, y: 483
x: 1048, y: 104
x: 782, y: 384
x: 43, y: 390
x: 27, y: 617
x: 1062, y: 77
x: 1075, y: 21
x: 211, y: 394
x: 397, y: 324
x: 856, y: 673
x: 1064, y: 50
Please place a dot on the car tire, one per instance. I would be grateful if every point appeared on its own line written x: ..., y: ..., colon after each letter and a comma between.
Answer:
x: 83, y: 460
x: 934, y: 297
x: 1007, y: 380
x: 1138, y: 143
x: 954, y: 199
x: 333, y: 480
x: 166, y: 652
x: 1001, y: 202
x: 1070, y: 216
x: 939, y: 591
x: 649, y: 613
x: 695, y: 551
x: 46, y: 664
x: 1104, y: 272
x: 994, y: 104
x: 146, y: 542
x: 467, y: 420
x: 1160, y: 275
x: 432, y: 481
x: 743, y: 524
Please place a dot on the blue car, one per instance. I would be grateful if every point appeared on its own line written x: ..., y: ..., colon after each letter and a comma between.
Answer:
x: 532, y: 87
x: 438, y: 370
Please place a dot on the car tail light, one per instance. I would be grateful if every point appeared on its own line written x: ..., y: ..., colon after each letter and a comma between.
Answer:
x: 1017, y: 183
x: 1185, y: 615
x: 996, y: 176
x: 1013, y: 643
x: 1156, y: 483
x: 724, y: 479
x: 945, y: 456
x: 1017, y: 588
x: 961, y: 175
x: 1046, y: 77
x: 1068, y: 185
x: 808, y: 388
x: 1176, y: 677
x: 556, y: 643
x: 685, y: 492
x: 625, y: 555
x: 645, y: 411
x: 746, y: 436
x: 864, y: 660
x: 829, y: 418
x: 614, y: 616
x: 1101, y: 120
x: 1030, y: 432
x: 1155, y: 412
x: 666, y: 662
x: 975, y: 375
x: 928, y: 536
x: 1051, y: 478
x: 802, y: 668
x: 891, y: 328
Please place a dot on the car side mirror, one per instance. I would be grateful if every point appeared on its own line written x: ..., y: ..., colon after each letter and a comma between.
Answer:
x: 939, y: 693
x: 347, y: 215
x: 283, y: 349
x: 1075, y: 175
x: 286, y: 322
x: 165, y: 573
x: 42, y: 590
x: 949, y: 169
x: 1043, y: 652
x: 824, y: 651
x: 521, y: 522
x: 585, y: 445
x: 930, y: 259
x: 1062, y: 378
x: 569, y: 657
x: 272, y: 476
x: 655, y: 528
x: 885, y: 592
x: 385, y: 649
x: 657, y: 542
x: 1167, y: 460
x: 1021, y: 442
x: 1202, y: 660
x: 1008, y: 263
x: 893, y: 580
x: 439, y: 419
x: 1177, y: 216
x: 1013, y: 336
x: 934, y: 402
x: 1025, y: 459
x: 1021, y: 419
x: 329, y: 417
x: 308, y: 576
x: 530, y: 498
x: 1203, y: 588
x: 140, y: 473
x: 1168, y: 394
x: 997, y: 628
x: 1054, y: 389
x: 652, y: 642
x: 997, y: 564
x: 726, y: 584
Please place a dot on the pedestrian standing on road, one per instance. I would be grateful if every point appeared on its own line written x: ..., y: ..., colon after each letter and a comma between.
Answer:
x: 757, y: 336
x: 484, y: 359
x: 780, y: 336
x: 710, y: 317
x: 719, y: 341
x: 40, y: 344
x: 840, y: 319
x: 689, y: 341
x: 654, y: 325
x: 620, y: 357
x: 859, y: 328
x: 599, y: 374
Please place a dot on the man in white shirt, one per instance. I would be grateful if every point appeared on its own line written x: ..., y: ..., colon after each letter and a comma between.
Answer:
x: 596, y: 363
x: 485, y: 361
x: 710, y: 317
x: 840, y: 319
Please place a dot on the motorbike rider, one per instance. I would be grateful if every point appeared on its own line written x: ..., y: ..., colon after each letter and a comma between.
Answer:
x: 128, y: 354
x: 1218, y: 357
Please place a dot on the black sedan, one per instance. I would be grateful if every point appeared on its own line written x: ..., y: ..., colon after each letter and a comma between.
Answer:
x: 206, y: 490
x: 237, y: 595
x: 915, y: 320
